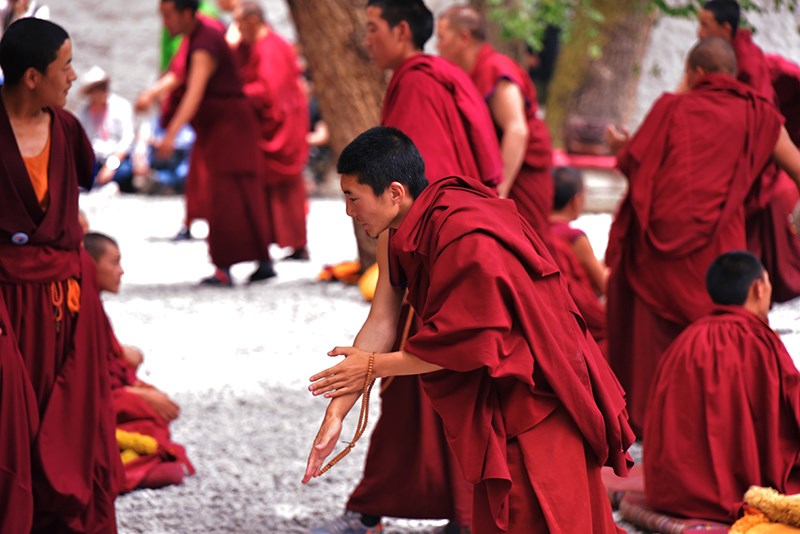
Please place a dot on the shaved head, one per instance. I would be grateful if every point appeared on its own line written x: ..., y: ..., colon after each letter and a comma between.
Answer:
x: 249, y: 8
x: 465, y: 17
x: 713, y: 54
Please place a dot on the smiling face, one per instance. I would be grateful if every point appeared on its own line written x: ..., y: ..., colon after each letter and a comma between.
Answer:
x: 375, y: 213
x: 384, y: 44
x: 53, y: 85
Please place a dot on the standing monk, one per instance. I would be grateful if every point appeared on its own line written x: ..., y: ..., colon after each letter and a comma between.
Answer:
x: 211, y: 97
x: 271, y: 78
x: 455, y: 137
x: 57, y: 422
x: 530, y: 408
x: 690, y: 167
x: 769, y: 235
x: 725, y: 408
x: 511, y: 97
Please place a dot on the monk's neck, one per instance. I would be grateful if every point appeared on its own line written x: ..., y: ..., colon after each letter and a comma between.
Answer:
x: 408, y: 54
x: 21, y: 106
x: 467, y: 62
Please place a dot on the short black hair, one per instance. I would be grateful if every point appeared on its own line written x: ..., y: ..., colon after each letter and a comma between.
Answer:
x: 183, y: 5
x: 567, y: 182
x: 250, y: 8
x: 725, y: 11
x: 730, y: 276
x: 29, y: 43
x: 383, y: 155
x: 96, y: 244
x: 414, y: 12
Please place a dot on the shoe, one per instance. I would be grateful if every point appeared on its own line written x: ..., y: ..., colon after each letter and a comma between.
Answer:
x: 347, y: 523
x: 300, y: 254
x: 218, y: 279
x: 265, y: 271
x: 184, y: 234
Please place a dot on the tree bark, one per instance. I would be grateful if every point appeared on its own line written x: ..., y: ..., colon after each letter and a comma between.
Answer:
x: 601, y: 90
x: 349, y: 89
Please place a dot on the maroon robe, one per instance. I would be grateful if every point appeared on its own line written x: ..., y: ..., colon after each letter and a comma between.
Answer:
x: 786, y: 83
x: 271, y: 76
x: 533, y: 188
x: 226, y: 146
x: 455, y: 137
x: 75, y: 467
x: 690, y: 168
x: 724, y: 414
x: 520, y: 379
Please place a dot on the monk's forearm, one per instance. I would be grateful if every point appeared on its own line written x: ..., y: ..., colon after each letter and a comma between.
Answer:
x: 402, y: 363
x: 513, y: 147
x: 339, y: 407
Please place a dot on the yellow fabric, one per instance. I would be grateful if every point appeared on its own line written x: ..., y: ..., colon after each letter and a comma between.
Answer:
x: 128, y: 455
x: 368, y: 282
x: 37, y: 171
x: 73, y: 296
x: 138, y: 443
x: 755, y: 522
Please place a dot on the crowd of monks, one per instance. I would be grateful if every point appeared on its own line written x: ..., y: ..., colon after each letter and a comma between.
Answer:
x: 514, y: 364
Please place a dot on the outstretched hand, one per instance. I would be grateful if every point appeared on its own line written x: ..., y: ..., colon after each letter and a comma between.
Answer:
x: 344, y: 378
x: 328, y: 435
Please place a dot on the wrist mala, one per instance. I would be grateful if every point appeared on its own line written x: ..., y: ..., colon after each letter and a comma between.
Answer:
x: 363, y: 415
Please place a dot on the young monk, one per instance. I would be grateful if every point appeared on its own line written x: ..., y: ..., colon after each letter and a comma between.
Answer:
x: 511, y: 97
x: 725, y: 407
x: 61, y: 432
x: 586, y: 276
x: 688, y: 180
x: 456, y: 137
x: 531, y: 413
x: 769, y: 236
x: 138, y: 406
x: 271, y: 77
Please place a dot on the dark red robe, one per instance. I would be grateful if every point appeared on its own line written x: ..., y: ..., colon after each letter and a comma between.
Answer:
x: 456, y: 137
x: 529, y: 405
x: 533, y: 188
x: 724, y: 414
x: 271, y: 77
x: 227, y: 148
x: 74, y: 465
x: 786, y: 83
x: 769, y: 234
x: 690, y: 168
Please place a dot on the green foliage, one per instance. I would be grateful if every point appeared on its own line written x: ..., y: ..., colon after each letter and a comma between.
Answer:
x: 528, y: 19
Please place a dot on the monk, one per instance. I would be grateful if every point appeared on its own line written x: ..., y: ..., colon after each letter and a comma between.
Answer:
x: 456, y: 137
x: 769, y: 236
x: 211, y: 97
x: 688, y: 180
x: 138, y: 406
x: 511, y: 97
x: 725, y: 407
x: 271, y: 77
x: 585, y: 275
x: 58, y: 457
x: 786, y: 82
x: 530, y: 408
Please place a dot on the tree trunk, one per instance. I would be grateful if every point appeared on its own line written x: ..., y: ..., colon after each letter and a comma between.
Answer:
x: 601, y: 90
x: 349, y: 89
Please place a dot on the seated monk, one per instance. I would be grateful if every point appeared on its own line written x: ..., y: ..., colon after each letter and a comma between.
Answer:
x: 724, y: 413
x: 586, y: 276
x: 140, y: 408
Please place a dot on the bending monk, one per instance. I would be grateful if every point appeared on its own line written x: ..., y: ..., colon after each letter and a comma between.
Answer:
x: 688, y: 179
x: 725, y: 407
x: 530, y: 408
x: 58, y: 457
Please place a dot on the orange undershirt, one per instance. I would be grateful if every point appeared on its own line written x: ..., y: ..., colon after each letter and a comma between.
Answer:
x: 37, y: 171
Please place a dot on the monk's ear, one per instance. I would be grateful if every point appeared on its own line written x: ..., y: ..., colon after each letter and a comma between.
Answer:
x: 404, y: 31
x: 31, y: 78
x: 397, y: 192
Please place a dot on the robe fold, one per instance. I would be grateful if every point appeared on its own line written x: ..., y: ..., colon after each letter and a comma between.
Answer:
x: 75, y: 468
x: 270, y: 74
x: 533, y: 188
x: 497, y: 316
x: 226, y: 146
x: 455, y: 137
x: 724, y: 415
x: 690, y: 168
x: 435, y: 104
x: 786, y: 83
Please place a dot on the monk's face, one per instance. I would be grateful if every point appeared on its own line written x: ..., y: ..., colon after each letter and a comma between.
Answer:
x: 249, y: 26
x: 374, y: 213
x: 109, y: 270
x: 53, y: 85
x: 707, y: 26
x: 175, y: 21
x: 447, y: 41
x: 384, y: 44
